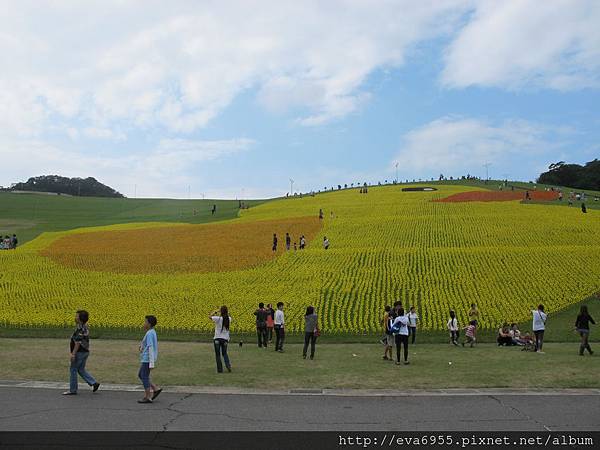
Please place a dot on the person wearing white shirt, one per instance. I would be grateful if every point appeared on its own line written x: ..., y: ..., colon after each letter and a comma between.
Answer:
x: 413, y: 318
x: 453, y: 328
x: 539, y: 326
x: 279, y: 328
x: 222, y: 322
x: 400, y: 331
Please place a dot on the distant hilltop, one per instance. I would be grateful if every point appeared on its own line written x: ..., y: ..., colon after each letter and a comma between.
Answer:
x: 55, y: 184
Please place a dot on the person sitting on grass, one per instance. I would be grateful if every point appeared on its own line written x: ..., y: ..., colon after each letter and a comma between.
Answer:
x: 148, y: 356
x: 527, y: 341
x: 515, y: 334
x: 504, y: 337
x: 470, y: 333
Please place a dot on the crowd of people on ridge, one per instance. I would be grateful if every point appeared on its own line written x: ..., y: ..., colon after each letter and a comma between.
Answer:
x: 9, y: 242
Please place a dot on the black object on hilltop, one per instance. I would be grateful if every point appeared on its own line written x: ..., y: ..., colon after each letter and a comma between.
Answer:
x: 84, y: 187
x: 573, y: 175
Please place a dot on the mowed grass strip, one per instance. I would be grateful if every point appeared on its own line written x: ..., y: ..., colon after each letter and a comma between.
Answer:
x: 358, y: 366
x: 185, y: 248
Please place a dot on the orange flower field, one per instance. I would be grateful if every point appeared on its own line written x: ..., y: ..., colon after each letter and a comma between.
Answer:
x: 218, y: 247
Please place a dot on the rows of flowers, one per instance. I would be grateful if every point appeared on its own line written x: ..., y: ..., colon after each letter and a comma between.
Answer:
x: 386, y: 245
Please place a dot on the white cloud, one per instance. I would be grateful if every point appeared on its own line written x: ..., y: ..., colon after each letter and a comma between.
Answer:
x: 457, y: 146
x: 164, y: 171
x: 178, y: 65
x: 513, y: 44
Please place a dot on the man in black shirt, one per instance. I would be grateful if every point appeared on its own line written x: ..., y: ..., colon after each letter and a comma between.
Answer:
x: 261, y: 325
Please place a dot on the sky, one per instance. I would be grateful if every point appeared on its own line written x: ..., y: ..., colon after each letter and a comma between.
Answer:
x: 232, y: 99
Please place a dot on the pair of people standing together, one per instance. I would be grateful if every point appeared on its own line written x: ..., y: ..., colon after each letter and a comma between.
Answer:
x: 398, y: 326
x: 80, y: 351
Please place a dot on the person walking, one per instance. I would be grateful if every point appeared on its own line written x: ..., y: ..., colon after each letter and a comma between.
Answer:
x: 470, y: 333
x: 14, y: 242
x: 582, y: 326
x: 279, y: 328
x: 222, y: 322
x: 80, y: 351
x: 274, y: 242
x: 311, y: 331
x: 288, y: 241
x: 413, y: 318
x: 539, y: 326
x: 270, y: 322
x: 400, y: 331
x: 302, y: 242
x: 453, y: 328
x: 148, y: 356
x: 261, y: 325
x: 325, y: 243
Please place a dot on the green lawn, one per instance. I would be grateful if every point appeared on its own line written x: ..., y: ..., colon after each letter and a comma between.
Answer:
x: 28, y: 215
x: 335, y: 366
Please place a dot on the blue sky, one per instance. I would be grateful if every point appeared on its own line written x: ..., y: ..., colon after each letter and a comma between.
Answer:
x: 231, y: 99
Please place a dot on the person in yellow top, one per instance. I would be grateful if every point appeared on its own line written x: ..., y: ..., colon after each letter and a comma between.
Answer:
x: 474, y: 314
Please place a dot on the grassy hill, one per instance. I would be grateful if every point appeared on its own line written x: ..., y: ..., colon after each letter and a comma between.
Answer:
x: 385, y: 245
x: 29, y: 215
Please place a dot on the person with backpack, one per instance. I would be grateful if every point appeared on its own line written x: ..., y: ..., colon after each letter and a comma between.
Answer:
x: 222, y: 321
x: 582, y: 326
x: 261, y: 325
x: 400, y: 332
x: 453, y: 328
x: 539, y: 326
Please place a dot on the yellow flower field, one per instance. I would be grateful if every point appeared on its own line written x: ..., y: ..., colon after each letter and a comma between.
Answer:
x: 385, y: 245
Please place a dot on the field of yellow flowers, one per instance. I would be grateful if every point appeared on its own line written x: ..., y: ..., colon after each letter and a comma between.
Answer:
x: 385, y: 245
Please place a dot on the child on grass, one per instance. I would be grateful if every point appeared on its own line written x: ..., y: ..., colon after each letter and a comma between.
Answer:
x: 470, y: 333
x: 148, y: 356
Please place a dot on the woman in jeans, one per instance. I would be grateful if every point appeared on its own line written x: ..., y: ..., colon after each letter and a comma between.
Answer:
x: 222, y: 321
x: 582, y: 325
x: 311, y: 331
x: 539, y: 326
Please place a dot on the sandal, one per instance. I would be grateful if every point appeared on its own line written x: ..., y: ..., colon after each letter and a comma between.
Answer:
x: 145, y: 400
x: 156, y: 394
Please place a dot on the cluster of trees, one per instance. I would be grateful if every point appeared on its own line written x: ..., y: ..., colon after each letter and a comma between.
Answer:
x: 84, y: 187
x: 573, y: 175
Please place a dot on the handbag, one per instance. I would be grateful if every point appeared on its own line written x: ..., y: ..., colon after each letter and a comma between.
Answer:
x: 317, y: 332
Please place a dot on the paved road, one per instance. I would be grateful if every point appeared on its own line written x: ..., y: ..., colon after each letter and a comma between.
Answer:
x: 45, y: 409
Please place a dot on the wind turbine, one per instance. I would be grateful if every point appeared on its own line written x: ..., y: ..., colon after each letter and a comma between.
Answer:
x: 291, y: 187
x: 487, y: 166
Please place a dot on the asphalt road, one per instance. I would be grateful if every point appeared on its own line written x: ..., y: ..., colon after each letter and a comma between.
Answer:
x: 45, y: 409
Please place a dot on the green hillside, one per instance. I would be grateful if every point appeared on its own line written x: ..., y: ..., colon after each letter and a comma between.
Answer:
x: 29, y: 215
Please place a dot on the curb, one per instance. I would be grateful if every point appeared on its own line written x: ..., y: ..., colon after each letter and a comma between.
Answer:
x: 217, y: 390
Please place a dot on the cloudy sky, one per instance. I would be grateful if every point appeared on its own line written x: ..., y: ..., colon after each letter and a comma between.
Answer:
x: 233, y: 98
